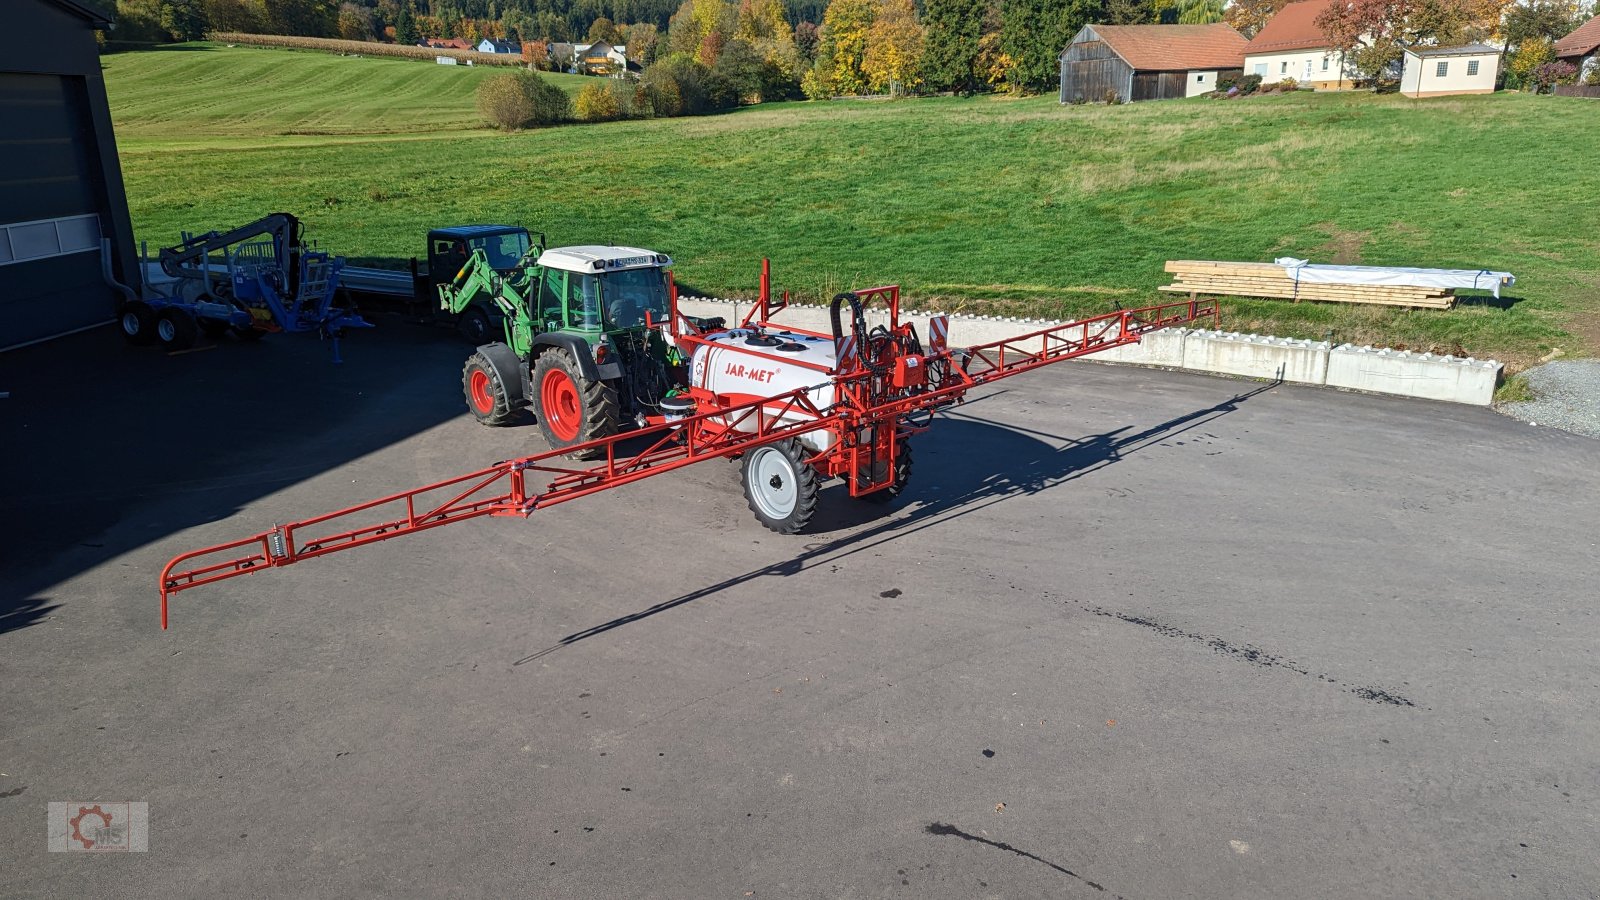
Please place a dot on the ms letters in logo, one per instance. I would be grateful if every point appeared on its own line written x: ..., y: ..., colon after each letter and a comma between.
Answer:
x: 99, y: 827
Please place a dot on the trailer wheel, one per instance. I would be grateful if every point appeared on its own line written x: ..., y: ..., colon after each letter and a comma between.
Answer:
x: 570, y: 408
x: 902, y: 476
x: 176, y: 328
x: 486, y: 395
x: 780, y: 488
x: 474, y: 326
x: 137, y: 321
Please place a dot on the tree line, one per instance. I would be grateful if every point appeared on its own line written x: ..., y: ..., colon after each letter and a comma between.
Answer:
x: 779, y: 49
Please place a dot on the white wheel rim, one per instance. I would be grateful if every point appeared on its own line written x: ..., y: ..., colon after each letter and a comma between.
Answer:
x: 166, y: 330
x: 773, y: 483
x: 130, y: 323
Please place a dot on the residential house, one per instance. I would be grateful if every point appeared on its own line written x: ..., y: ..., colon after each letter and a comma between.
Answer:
x: 503, y: 48
x: 1442, y: 71
x: 446, y: 43
x: 1148, y: 62
x: 1582, y: 47
x: 1291, y: 45
x: 601, y: 58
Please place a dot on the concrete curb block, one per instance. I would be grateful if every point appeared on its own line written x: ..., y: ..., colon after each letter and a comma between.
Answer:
x: 1374, y: 370
x: 1257, y: 356
x: 1408, y: 374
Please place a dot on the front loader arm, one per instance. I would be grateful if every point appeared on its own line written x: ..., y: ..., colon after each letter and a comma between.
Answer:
x: 479, y: 279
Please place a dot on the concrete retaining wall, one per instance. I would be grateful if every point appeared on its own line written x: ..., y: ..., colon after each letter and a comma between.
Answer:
x: 1348, y: 367
x: 1256, y: 356
x: 1410, y: 374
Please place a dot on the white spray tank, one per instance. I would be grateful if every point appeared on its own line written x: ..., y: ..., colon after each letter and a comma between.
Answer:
x: 746, y: 364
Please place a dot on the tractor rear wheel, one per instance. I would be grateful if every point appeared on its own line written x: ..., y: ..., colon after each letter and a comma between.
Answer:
x: 176, y: 328
x: 780, y: 488
x: 571, y: 409
x: 902, y: 477
x: 137, y: 321
x: 485, y: 392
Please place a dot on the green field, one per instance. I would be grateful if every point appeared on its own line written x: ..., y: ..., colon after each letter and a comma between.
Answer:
x: 191, y: 92
x: 993, y: 204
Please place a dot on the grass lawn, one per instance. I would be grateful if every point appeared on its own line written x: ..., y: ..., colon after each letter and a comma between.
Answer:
x: 987, y: 204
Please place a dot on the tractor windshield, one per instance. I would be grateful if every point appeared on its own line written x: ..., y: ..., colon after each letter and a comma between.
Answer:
x: 632, y: 292
x: 504, y: 250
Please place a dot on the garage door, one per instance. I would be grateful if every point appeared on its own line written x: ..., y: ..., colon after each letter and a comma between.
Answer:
x: 49, y: 210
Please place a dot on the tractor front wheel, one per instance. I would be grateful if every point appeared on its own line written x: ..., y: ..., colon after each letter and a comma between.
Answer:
x: 780, y: 488
x: 486, y: 394
x: 571, y: 409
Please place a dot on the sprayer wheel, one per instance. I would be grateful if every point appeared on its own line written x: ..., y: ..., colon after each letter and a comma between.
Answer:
x: 779, y: 487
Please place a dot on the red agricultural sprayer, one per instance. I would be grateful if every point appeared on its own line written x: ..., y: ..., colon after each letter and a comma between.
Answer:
x: 796, y: 407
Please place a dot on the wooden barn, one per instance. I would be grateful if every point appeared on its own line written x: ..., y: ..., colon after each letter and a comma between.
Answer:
x: 1149, y: 62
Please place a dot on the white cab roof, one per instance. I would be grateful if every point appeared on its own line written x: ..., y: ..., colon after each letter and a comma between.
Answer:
x: 594, y: 258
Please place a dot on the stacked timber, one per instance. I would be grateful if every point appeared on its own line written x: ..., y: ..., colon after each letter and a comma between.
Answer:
x: 1242, y: 279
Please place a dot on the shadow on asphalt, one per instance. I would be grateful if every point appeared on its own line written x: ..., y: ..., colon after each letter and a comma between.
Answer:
x: 962, y: 465
x: 107, y: 447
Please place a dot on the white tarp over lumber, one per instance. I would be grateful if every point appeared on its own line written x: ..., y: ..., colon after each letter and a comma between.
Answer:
x: 1399, y: 276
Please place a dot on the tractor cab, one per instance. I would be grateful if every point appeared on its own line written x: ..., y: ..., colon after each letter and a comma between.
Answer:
x: 450, y: 248
x: 602, y: 289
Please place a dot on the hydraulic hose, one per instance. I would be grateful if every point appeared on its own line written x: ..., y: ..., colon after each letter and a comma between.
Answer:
x: 858, y: 325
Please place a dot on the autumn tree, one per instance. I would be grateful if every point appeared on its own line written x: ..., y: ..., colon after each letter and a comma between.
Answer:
x: 807, y: 37
x: 762, y: 25
x: 1249, y: 16
x: 893, y: 60
x: 355, y: 22
x: 644, y: 42
x: 845, y: 27
x: 603, y: 29
x: 951, y: 45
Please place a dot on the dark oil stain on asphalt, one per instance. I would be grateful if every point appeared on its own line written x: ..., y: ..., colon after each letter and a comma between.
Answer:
x: 890, y: 594
x: 940, y: 828
x: 1255, y: 656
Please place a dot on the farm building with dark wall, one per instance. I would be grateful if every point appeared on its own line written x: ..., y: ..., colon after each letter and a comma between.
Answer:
x: 60, y: 181
x: 1148, y: 62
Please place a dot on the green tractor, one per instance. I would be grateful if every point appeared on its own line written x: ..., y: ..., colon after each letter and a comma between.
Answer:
x: 578, y: 349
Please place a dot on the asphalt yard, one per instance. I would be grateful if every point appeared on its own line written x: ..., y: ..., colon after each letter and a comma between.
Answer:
x: 1129, y: 633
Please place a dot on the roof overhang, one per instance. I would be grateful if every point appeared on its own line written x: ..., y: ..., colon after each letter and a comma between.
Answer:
x: 97, y: 17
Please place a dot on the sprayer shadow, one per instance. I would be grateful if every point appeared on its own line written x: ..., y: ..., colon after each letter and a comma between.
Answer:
x: 949, y: 485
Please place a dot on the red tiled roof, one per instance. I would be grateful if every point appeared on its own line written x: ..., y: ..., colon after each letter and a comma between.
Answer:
x: 1581, y: 41
x: 1170, y: 48
x: 1293, y: 28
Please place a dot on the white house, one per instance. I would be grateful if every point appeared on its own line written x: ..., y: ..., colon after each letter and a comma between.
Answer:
x: 1291, y: 45
x: 1582, y: 47
x: 503, y: 47
x: 1442, y: 71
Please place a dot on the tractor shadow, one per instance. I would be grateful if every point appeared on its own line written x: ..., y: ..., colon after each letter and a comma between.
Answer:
x: 950, y: 479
